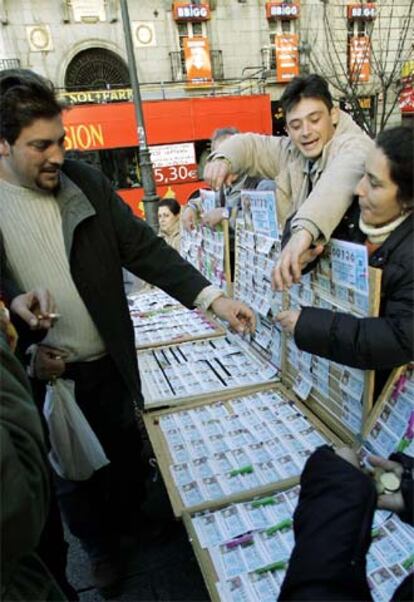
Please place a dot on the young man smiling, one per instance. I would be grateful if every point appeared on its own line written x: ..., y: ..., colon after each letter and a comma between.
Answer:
x: 315, y: 169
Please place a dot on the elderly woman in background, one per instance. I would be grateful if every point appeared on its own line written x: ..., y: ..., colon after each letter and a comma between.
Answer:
x: 169, y: 222
x: 383, y: 220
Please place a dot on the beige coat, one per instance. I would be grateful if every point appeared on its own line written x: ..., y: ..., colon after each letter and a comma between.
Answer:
x: 172, y: 238
x: 336, y: 173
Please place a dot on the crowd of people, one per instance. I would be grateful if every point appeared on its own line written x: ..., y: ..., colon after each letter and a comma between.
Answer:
x: 65, y: 238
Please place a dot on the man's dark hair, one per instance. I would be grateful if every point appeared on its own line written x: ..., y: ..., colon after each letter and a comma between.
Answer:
x: 221, y: 132
x: 171, y: 204
x: 397, y: 144
x: 24, y: 97
x: 306, y: 86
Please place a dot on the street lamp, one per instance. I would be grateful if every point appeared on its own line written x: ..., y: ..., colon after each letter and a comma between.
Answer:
x: 150, y: 198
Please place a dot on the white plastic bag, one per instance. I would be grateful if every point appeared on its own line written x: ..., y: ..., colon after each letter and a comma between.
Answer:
x: 75, y: 450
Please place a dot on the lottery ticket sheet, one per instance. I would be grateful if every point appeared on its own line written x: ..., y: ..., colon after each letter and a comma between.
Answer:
x: 208, y: 250
x: 175, y: 323
x: 340, y: 283
x: 244, y: 548
x: 256, y: 255
x: 153, y: 300
x: 392, y: 425
x: 181, y: 373
x: 227, y: 448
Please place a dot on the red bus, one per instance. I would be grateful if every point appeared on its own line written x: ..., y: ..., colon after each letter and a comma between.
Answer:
x: 178, y: 133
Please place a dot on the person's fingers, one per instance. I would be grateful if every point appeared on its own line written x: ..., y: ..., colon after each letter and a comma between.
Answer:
x: 295, y: 268
x: 285, y: 271
x: 42, y: 301
x: 391, y: 501
x: 230, y: 179
x: 247, y: 317
x: 277, y: 281
x: 387, y: 465
x: 21, y: 306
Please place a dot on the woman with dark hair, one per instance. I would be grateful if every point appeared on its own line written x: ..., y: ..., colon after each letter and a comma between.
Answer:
x: 383, y: 220
x: 169, y: 221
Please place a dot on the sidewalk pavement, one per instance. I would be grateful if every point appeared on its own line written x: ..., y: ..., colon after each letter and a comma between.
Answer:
x: 161, y: 565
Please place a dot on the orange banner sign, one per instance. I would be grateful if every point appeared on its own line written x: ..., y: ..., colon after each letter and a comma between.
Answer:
x: 197, y: 59
x: 287, y: 56
x: 359, y: 58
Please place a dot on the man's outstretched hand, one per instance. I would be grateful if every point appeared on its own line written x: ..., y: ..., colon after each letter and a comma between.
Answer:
x: 296, y: 255
x: 239, y: 316
x: 217, y: 173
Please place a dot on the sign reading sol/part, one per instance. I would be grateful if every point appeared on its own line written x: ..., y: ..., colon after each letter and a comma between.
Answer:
x: 185, y: 11
x: 282, y: 10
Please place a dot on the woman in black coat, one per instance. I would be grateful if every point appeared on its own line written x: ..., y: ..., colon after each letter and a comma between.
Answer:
x: 383, y: 220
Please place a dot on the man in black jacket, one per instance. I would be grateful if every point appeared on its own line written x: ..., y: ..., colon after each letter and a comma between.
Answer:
x: 63, y: 228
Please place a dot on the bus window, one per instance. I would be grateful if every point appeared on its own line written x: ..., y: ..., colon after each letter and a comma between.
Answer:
x: 120, y: 165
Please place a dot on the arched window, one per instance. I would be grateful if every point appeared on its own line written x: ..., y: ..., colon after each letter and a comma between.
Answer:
x: 96, y: 68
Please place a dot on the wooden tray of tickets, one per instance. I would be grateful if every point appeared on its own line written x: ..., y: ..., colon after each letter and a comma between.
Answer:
x: 256, y: 549
x: 182, y: 373
x: 230, y: 448
x: 243, y: 549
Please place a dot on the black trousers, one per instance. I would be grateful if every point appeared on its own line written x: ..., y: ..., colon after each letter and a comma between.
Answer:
x: 99, y: 509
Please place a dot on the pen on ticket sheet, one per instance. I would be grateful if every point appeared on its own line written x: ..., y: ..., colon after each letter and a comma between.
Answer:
x: 216, y: 373
x: 163, y: 372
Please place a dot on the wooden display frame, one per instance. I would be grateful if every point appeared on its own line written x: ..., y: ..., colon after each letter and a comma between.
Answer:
x: 164, y: 459
x: 218, y: 331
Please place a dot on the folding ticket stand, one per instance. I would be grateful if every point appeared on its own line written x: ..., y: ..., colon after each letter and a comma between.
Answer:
x: 233, y: 421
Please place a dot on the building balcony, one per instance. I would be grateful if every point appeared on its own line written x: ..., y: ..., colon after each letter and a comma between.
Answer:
x: 178, y: 71
x: 9, y: 64
x: 268, y: 56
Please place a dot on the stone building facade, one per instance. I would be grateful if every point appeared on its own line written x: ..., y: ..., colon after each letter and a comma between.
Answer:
x: 79, y: 44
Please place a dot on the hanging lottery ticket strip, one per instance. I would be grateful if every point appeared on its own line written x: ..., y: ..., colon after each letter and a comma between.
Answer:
x: 208, y: 248
x: 231, y: 448
x: 341, y: 282
x: 181, y: 373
